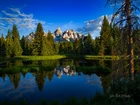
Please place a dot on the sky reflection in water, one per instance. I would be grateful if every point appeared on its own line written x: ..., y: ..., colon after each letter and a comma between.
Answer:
x: 49, y: 85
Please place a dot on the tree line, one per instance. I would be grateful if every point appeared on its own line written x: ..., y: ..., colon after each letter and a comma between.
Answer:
x: 106, y: 44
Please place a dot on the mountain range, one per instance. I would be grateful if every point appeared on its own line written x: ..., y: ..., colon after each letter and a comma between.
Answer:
x: 59, y: 36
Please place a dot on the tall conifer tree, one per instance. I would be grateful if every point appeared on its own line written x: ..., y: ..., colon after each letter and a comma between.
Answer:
x: 37, y: 43
x: 76, y: 44
x: 105, y: 37
x: 17, y: 50
x: 88, y: 45
x: 26, y: 46
x: 41, y: 45
x: 2, y: 46
x: 9, y: 44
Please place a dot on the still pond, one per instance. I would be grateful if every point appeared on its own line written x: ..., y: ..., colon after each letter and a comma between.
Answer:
x: 51, y: 80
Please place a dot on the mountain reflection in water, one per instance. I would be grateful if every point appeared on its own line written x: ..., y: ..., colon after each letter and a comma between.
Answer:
x: 37, y: 80
x: 67, y: 70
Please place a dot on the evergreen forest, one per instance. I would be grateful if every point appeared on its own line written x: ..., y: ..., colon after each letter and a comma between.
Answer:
x: 108, y: 43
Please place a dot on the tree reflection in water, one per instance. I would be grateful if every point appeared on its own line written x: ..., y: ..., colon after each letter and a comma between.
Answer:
x: 43, y: 70
x: 14, y: 79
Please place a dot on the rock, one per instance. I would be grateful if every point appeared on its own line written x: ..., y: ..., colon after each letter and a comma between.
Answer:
x: 30, y: 37
x: 59, y: 36
x: 58, y: 32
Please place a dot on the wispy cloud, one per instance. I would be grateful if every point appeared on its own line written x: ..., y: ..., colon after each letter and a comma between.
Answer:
x: 93, y: 26
x: 22, y: 20
x: 15, y: 10
x: 9, y: 14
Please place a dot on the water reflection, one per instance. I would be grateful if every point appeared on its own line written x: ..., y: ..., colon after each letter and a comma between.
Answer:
x: 35, y: 80
x: 67, y: 70
x: 14, y: 79
x: 40, y: 79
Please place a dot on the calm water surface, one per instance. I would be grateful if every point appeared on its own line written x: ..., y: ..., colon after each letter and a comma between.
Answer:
x: 49, y: 80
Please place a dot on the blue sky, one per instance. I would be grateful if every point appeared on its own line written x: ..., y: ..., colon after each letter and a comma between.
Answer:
x: 84, y: 16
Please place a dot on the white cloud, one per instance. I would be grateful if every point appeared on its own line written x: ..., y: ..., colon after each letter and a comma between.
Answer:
x: 16, y: 10
x: 23, y: 21
x: 93, y: 26
x: 9, y: 14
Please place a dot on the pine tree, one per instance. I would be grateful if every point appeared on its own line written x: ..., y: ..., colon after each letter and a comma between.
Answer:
x: 22, y: 41
x: 2, y: 46
x: 76, y: 44
x: 81, y: 47
x: 88, y: 45
x: 45, y: 50
x: 105, y: 36
x: 9, y: 44
x: 97, y: 46
x: 56, y: 48
x: 37, y: 42
x: 93, y: 47
x: 66, y: 44
x: 17, y: 50
x: 50, y: 43
x: 70, y: 47
x: 42, y: 45
x: 26, y: 46
x: 115, y: 34
x: 102, y: 48
x: 50, y: 37
x: 61, y: 48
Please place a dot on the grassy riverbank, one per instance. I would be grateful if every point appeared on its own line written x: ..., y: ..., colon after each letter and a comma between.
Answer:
x: 54, y: 57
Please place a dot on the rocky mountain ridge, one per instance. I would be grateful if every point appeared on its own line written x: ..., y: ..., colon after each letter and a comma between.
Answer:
x: 59, y: 36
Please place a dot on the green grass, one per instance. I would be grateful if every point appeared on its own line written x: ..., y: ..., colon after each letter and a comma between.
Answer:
x: 102, y: 57
x: 96, y: 57
x: 55, y: 57
x: 61, y: 56
x: 52, y: 57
